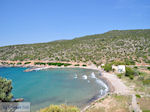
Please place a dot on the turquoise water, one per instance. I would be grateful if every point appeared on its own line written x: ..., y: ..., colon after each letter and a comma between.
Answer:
x: 72, y: 86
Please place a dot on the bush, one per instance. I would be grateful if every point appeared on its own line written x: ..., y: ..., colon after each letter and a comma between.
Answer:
x: 39, y: 63
x: 135, y: 67
x: 108, y: 67
x: 11, y: 63
x: 60, y: 108
x: 27, y: 63
x: 141, y: 73
x: 84, y: 65
x: 76, y: 65
x: 131, y: 77
x: 19, y: 63
x: 138, y: 96
x: 67, y: 64
x: 148, y: 68
x: 58, y: 64
x: 129, y: 73
x: 119, y: 75
x: 5, y: 90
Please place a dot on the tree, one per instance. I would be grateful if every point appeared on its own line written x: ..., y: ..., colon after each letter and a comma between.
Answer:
x: 5, y: 90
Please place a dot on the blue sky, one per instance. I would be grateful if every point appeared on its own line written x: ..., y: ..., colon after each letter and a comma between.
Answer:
x: 34, y: 21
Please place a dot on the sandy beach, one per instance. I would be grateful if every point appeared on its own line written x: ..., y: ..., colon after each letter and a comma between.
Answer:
x: 117, y: 84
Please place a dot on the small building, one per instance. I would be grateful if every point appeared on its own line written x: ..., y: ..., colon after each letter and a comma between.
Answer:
x: 119, y: 68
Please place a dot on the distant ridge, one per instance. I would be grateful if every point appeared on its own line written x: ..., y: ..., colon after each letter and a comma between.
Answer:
x: 98, y: 48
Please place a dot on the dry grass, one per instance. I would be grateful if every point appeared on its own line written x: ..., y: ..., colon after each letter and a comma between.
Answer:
x: 113, y: 103
x: 144, y: 103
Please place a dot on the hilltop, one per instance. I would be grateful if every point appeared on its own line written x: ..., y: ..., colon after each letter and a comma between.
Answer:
x: 123, y: 45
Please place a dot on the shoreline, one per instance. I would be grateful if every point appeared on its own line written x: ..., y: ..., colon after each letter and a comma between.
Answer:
x: 111, y: 89
x: 104, y: 79
x: 116, y: 86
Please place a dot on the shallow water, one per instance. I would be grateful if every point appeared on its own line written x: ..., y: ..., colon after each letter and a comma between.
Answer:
x: 72, y: 86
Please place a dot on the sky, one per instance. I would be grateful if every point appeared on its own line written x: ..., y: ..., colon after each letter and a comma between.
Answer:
x: 36, y: 21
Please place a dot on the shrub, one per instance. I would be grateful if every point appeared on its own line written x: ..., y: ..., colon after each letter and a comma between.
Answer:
x: 39, y: 63
x: 11, y: 63
x: 5, y: 90
x: 129, y: 73
x: 27, y: 63
x: 131, y: 77
x: 83, y: 65
x: 108, y: 67
x: 19, y: 63
x: 138, y: 96
x: 59, y: 64
x: 135, y: 67
x: 66, y: 64
x: 60, y: 108
x: 148, y: 68
x: 119, y: 75
x: 141, y: 73
x: 76, y: 65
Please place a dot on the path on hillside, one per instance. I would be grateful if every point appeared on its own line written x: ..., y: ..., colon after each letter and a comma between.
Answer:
x: 135, y: 106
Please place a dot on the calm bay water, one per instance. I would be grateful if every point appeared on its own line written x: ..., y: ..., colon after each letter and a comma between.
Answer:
x: 72, y: 86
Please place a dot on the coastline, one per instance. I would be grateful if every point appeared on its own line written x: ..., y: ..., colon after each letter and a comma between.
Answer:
x: 116, y: 86
x: 111, y: 88
x: 34, y: 67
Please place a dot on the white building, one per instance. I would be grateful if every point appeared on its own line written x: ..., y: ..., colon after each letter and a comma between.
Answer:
x: 119, y: 68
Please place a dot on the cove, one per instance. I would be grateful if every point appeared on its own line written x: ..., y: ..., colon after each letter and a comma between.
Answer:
x: 71, y: 86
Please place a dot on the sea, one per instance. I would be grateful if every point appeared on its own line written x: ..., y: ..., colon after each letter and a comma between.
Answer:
x: 70, y: 86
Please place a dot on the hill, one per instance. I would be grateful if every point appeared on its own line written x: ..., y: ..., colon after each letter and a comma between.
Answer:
x: 131, y: 45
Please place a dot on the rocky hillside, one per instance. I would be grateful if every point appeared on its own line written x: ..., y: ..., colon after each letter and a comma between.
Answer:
x: 133, y: 45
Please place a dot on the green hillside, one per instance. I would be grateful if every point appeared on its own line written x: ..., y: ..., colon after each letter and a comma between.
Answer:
x: 132, y: 45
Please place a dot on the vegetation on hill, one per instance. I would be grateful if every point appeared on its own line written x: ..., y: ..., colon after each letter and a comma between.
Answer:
x: 129, y: 46
x: 5, y: 90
